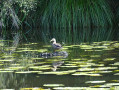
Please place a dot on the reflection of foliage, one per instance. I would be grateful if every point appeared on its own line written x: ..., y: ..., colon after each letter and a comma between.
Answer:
x: 11, y: 80
x: 118, y: 15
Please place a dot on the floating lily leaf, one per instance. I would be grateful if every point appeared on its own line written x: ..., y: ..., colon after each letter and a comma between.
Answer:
x: 53, y: 85
x: 76, y: 45
x: 116, y: 74
x: 23, y: 72
x: 64, y: 48
x: 6, y: 71
x: 108, y: 49
x: 116, y: 63
x: 77, y: 59
x: 24, y: 48
x: 105, y: 68
x: 57, y: 73
x: 109, y: 59
x: 8, y: 56
x: 29, y: 50
x: 47, y: 46
x: 67, y: 46
x: 89, y: 50
x: 41, y: 67
x: 103, y: 87
x: 74, y: 88
x: 35, y: 88
x: 33, y: 43
x: 42, y: 50
x: 16, y: 68
x: 95, y: 81
x: 37, y: 58
x: 105, y: 71
x: 69, y: 66
x: 86, y: 74
x: 111, y: 84
x: 15, y: 64
x: 97, y: 50
x: 95, y: 56
x: 6, y: 60
x: 86, y: 69
x: 86, y: 46
x: 35, y: 71
x: 103, y: 47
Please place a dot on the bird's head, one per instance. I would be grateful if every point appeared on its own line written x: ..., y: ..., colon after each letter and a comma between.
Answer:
x: 53, y: 40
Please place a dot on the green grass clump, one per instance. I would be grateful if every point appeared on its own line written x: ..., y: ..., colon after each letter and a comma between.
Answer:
x: 77, y: 13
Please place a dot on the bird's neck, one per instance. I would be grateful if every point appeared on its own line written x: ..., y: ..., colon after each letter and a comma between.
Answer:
x: 54, y: 42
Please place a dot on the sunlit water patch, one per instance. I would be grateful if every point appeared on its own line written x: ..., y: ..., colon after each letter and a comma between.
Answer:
x: 74, y: 67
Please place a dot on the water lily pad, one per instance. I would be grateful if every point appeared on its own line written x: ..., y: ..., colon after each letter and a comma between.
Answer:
x: 68, y: 66
x: 40, y: 67
x: 47, y: 46
x: 25, y: 48
x: 6, y: 60
x: 72, y: 88
x: 57, y: 73
x: 105, y: 68
x: 35, y: 88
x: 86, y: 74
x: 23, y: 72
x: 37, y: 58
x: 6, y: 71
x: 95, y: 56
x: 67, y: 46
x: 116, y: 63
x: 116, y: 74
x: 29, y: 50
x: 109, y: 59
x: 17, y: 68
x: 86, y: 69
x: 8, y: 56
x: 42, y: 50
x: 112, y: 84
x: 75, y: 45
x: 101, y: 47
x: 96, y: 81
x: 108, y: 49
x: 89, y: 50
x: 105, y: 71
x: 53, y: 85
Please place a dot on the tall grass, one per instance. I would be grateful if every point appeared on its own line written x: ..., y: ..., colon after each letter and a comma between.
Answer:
x: 77, y: 13
x: 63, y: 18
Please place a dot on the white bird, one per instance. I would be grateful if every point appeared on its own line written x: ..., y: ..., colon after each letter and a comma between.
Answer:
x: 55, y: 45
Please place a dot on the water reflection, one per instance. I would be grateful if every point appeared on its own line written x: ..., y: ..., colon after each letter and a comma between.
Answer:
x: 56, y: 64
x: 62, y: 54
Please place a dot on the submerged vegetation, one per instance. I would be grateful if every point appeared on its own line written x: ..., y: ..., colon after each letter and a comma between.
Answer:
x: 62, y: 18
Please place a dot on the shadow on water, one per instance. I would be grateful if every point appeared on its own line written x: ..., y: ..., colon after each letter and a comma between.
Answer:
x: 87, y: 66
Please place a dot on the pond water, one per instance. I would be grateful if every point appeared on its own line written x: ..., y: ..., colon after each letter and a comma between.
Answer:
x: 34, y: 66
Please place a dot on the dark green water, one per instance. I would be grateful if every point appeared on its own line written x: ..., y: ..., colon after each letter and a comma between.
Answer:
x: 86, y: 67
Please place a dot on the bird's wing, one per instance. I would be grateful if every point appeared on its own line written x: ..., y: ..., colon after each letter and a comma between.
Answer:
x: 58, y: 45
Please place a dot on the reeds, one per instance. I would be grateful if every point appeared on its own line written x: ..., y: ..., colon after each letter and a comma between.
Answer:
x: 77, y: 14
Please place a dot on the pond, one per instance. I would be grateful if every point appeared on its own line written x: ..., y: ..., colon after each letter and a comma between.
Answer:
x: 34, y: 66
